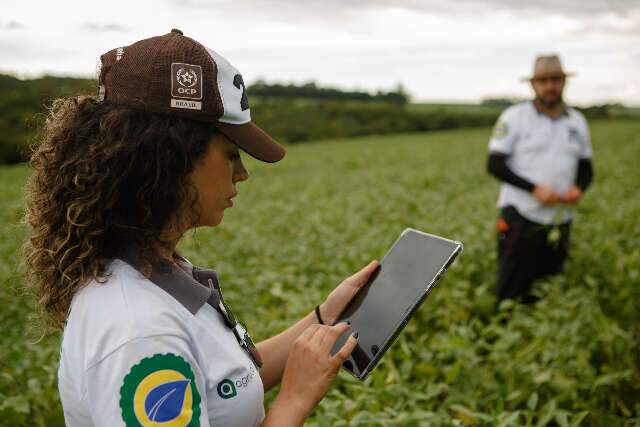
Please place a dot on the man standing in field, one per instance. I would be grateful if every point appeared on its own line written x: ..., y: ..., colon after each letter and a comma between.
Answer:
x: 541, y: 151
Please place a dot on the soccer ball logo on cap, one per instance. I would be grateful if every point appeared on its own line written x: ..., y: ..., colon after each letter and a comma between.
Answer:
x: 187, y: 78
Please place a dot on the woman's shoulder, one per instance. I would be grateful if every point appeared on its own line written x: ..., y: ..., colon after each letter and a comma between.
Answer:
x: 118, y: 308
x: 121, y: 293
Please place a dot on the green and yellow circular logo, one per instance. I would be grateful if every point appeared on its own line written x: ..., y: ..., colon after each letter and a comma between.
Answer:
x: 500, y: 130
x: 160, y: 391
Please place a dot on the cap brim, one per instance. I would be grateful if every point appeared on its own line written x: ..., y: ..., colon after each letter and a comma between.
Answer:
x: 253, y: 140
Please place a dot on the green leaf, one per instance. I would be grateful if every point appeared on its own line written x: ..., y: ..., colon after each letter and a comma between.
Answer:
x: 576, y: 419
x: 19, y: 404
x: 561, y: 418
x: 532, y: 402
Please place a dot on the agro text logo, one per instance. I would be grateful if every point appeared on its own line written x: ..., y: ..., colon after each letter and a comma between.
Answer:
x: 226, y: 389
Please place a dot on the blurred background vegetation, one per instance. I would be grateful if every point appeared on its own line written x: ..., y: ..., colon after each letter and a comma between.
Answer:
x: 291, y: 113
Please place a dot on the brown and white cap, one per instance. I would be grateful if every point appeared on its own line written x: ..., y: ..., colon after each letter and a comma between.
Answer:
x: 177, y: 75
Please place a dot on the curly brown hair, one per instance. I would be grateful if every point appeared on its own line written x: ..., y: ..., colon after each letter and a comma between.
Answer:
x: 104, y: 177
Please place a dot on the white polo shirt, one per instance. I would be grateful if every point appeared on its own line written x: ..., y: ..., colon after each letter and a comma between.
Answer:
x: 544, y: 151
x: 137, y: 352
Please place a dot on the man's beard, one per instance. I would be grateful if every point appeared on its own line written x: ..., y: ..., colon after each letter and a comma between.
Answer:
x: 550, y: 103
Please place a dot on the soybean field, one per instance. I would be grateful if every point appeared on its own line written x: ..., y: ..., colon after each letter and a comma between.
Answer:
x: 299, y: 227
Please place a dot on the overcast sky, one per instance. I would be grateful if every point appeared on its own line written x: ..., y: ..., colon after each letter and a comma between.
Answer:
x: 460, y: 50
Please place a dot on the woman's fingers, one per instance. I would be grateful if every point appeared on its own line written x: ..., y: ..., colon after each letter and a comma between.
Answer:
x: 347, y: 348
x: 310, y: 368
x: 320, y: 335
x: 332, y: 335
x: 308, y: 333
x: 360, y: 278
x: 338, y: 299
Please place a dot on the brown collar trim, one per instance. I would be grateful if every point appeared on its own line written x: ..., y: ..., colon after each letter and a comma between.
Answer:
x: 192, y: 291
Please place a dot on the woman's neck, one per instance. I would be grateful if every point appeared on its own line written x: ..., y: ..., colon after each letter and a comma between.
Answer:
x: 170, y: 238
x: 170, y: 241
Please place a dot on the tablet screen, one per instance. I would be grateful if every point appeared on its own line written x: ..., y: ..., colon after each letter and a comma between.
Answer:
x: 378, y: 312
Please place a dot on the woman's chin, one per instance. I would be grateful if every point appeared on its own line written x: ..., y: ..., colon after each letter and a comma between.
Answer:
x: 211, y: 221
x: 216, y: 220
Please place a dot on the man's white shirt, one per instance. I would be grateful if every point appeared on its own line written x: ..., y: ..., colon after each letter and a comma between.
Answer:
x: 543, y: 150
x: 133, y: 353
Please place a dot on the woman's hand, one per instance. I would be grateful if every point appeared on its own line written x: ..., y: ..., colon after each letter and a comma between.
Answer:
x: 338, y: 299
x: 311, y: 368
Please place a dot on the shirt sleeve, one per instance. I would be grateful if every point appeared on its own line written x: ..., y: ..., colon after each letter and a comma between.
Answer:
x: 147, y: 380
x: 585, y: 174
x: 586, y: 151
x: 505, y: 134
x: 497, y: 166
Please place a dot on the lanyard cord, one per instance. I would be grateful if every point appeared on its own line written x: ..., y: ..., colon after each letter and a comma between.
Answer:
x: 240, y: 332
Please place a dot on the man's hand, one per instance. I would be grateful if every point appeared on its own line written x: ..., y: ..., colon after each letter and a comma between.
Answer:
x: 545, y: 195
x: 572, y: 196
x: 338, y: 299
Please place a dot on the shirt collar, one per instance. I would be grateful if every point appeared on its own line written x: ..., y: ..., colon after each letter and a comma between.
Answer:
x: 191, y: 290
x: 565, y: 110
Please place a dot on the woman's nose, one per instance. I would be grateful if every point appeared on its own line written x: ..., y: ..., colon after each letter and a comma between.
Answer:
x: 240, y: 173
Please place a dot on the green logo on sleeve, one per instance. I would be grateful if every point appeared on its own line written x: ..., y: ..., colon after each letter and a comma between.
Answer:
x: 160, y: 391
x: 500, y: 130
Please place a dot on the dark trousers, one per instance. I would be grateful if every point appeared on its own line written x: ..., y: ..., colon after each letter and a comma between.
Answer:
x: 527, y: 251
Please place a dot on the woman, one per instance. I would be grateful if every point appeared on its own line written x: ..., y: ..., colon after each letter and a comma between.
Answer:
x: 118, y: 179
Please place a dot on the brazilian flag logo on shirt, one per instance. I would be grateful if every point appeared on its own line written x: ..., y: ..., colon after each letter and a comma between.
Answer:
x: 160, y: 391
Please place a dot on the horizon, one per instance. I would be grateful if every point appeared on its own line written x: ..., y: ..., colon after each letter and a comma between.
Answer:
x: 462, y: 52
x: 412, y: 99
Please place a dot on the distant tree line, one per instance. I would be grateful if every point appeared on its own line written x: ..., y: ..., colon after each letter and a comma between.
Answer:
x: 290, y: 113
x: 299, y: 121
x: 22, y: 107
x: 312, y: 91
x: 503, y: 102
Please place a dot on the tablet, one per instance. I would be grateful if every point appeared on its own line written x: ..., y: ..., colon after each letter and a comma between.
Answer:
x: 381, y: 309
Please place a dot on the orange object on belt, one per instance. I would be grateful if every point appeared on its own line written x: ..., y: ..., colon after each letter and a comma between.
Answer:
x: 502, y: 226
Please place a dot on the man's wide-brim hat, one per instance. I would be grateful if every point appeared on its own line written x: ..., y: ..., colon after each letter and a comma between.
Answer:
x: 176, y: 75
x: 548, y: 66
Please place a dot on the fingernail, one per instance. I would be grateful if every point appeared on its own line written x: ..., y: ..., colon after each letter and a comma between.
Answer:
x: 355, y: 334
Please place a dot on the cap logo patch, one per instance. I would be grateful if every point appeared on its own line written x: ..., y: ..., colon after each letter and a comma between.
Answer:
x: 186, y: 78
x: 186, y: 81
x: 186, y: 84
